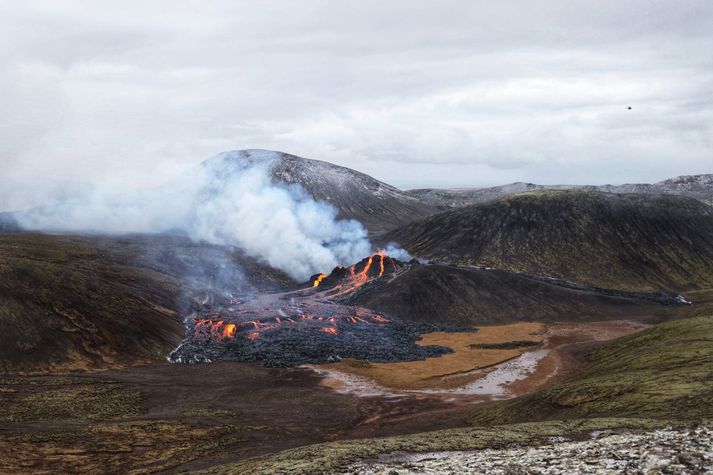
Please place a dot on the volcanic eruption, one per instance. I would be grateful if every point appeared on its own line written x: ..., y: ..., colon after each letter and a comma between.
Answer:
x: 314, y: 323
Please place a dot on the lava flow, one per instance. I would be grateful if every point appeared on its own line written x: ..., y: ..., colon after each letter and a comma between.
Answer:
x: 345, y: 281
x: 314, y: 324
x: 319, y: 279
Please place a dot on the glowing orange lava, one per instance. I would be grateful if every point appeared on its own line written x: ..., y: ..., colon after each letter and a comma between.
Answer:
x: 229, y: 330
x: 319, y: 279
x: 309, y: 313
x: 364, y: 274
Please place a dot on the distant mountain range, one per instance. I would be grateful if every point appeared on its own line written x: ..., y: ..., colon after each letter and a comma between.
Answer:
x: 699, y: 187
x: 642, y: 237
x: 380, y: 206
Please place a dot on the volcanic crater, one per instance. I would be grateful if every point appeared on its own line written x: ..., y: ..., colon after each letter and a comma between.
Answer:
x: 314, y: 323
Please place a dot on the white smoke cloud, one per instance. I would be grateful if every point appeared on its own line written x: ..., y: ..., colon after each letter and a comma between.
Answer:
x: 392, y: 249
x: 229, y: 200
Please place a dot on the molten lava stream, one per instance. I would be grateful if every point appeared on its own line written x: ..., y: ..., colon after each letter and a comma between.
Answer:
x: 357, y: 278
x: 319, y: 279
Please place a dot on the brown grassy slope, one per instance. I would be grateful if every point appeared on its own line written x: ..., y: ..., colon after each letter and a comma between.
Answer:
x: 64, y: 305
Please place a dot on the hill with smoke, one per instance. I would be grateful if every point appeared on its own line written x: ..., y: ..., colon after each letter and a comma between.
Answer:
x: 230, y: 200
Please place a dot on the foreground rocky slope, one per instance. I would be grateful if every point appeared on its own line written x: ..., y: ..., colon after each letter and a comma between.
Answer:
x: 634, y: 242
x: 667, y: 450
x: 336, y: 457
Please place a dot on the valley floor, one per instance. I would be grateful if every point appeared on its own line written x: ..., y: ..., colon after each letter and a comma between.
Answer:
x: 164, y: 417
x: 244, y: 418
x: 169, y: 417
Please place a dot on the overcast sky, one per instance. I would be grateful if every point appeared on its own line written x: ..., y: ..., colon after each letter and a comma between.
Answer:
x: 415, y: 93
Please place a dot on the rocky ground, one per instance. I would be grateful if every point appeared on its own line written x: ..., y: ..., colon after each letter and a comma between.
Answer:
x: 661, y: 451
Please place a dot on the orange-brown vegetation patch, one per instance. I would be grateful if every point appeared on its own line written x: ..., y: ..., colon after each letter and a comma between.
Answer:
x: 453, y: 369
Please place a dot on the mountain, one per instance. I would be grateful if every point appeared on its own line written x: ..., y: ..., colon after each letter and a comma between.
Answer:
x: 377, y: 205
x: 628, y: 241
x: 699, y: 187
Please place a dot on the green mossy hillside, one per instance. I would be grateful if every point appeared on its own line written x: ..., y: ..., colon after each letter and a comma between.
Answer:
x: 664, y: 372
x: 619, y: 241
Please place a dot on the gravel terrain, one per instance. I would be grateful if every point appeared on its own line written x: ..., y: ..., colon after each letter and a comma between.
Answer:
x: 666, y: 451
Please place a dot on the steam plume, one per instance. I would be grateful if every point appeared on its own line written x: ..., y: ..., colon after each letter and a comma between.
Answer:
x: 229, y: 200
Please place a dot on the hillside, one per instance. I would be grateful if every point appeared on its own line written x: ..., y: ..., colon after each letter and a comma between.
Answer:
x: 375, y: 204
x: 634, y: 242
x: 445, y: 198
x: 699, y: 187
x: 468, y: 296
x: 85, y: 303
x: 663, y: 372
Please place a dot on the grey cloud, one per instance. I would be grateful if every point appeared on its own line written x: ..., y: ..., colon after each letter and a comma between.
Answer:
x: 416, y: 93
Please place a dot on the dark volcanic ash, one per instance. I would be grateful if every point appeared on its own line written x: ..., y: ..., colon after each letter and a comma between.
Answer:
x: 312, y: 324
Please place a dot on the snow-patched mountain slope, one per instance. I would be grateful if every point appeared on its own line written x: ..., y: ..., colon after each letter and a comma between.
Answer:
x: 457, y: 197
x: 377, y: 205
x: 699, y: 187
